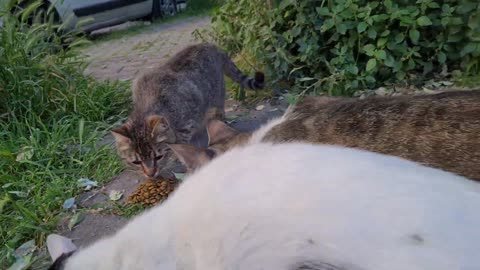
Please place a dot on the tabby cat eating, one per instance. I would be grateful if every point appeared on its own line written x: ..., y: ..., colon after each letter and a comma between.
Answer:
x: 173, y: 102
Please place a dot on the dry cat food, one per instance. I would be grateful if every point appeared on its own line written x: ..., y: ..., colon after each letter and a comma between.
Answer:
x: 152, y: 192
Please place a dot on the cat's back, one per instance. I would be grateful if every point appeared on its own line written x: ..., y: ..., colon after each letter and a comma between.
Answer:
x: 441, y: 130
x: 176, y: 79
x: 335, y: 205
x: 193, y: 57
x: 462, y: 103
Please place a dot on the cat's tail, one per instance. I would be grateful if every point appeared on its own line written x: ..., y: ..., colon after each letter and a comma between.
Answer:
x: 232, y: 71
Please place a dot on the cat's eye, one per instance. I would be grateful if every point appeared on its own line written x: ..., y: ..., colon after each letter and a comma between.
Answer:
x: 136, y: 162
x: 158, y: 157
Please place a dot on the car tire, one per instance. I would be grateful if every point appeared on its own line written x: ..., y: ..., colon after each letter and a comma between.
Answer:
x: 169, y: 8
x: 156, y: 9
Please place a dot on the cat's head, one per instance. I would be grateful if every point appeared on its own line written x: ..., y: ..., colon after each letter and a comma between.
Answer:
x: 221, y: 138
x: 143, y: 144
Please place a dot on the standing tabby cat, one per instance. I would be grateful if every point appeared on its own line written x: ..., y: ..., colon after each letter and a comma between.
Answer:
x: 441, y: 130
x: 173, y: 102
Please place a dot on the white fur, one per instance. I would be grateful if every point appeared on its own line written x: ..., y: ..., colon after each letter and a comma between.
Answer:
x: 273, y: 207
x: 260, y: 133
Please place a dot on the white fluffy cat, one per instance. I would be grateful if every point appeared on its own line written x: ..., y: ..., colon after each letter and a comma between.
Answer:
x: 301, y: 206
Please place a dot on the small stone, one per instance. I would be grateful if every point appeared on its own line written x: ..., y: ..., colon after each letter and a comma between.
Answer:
x: 260, y: 107
x: 381, y: 91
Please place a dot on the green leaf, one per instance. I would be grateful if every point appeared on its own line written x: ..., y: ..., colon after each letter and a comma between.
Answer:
x: 385, y: 33
x: 410, y: 64
x: 369, y: 49
x: 441, y: 57
x: 400, y: 75
x: 342, y: 28
x: 414, y: 35
x: 469, y: 48
x: 361, y: 27
x: 370, y: 79
x: 324, y: 11
x: 424, y: 21
x: 390, y: 61
x: 399, y: 37
x: 327, y: 25
x: 381, y: 42
x: 352, y: 69
x: 372, y: 33
x: 427, y: 67
x: 388, y: 4
x: 296, y: 31
x: 286, y: 3
x: 381, y: 54
x: 406, y: 21
x: 433, y: 5
x: 371, y: 64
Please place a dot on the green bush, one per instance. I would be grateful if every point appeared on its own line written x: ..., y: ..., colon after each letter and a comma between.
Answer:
x: 52, y: 118
x: 195, y: 6
x: 340, y: 46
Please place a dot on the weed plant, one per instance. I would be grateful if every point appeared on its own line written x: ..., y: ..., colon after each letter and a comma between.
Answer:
x: 52, y: 118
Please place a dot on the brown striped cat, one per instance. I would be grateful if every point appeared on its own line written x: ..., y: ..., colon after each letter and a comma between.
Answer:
x: 440, y: 130
x: 173, y: 102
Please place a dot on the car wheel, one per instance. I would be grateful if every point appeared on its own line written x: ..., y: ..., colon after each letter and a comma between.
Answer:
x: 169, y: 7
x: 156, y: 9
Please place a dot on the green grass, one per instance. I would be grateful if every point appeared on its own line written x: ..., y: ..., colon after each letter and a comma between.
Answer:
x: 52, y: 118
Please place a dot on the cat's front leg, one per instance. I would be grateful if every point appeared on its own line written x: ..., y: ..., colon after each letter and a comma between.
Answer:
x: 185, y: 133
x: 214, y: 113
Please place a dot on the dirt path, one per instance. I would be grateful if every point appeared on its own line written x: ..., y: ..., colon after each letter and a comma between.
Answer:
x: 123, y: 58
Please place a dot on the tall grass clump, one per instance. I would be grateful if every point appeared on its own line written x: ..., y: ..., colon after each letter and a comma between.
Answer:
x: 52, y: 117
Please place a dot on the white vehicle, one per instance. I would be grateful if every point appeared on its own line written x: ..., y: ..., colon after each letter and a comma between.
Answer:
x: 102, y: 13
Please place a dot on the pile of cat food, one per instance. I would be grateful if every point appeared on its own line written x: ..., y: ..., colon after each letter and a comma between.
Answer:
x: 152, y: 192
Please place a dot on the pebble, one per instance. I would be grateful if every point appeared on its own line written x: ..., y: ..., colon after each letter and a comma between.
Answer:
x: 260, y: 107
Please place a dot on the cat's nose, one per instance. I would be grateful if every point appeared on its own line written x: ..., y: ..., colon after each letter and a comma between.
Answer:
x: 150, y: 172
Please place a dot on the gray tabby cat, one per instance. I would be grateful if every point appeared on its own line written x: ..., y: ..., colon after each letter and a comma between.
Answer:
x: 441, y: 130
x: 173, y: 102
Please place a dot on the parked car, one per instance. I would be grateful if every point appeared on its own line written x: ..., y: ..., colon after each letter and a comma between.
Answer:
x: 103, y: 13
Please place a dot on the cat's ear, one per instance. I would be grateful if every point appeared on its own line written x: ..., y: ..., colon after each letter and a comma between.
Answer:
x: 59, y: 246
x: 122, y: 133
x: 191, y: 156
x: 219, y: 131
x: 157, y: 124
